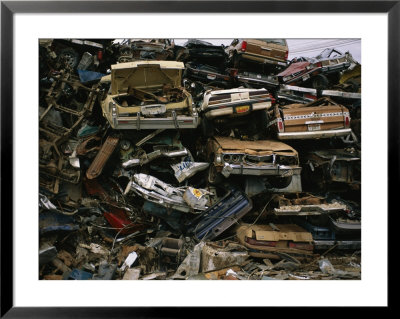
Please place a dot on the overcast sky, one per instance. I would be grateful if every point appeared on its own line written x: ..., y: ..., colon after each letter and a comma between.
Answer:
x: 307, y: 47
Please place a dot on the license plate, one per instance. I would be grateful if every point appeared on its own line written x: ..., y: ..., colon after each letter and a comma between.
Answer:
x: 211, y: 76
x: 306, y: 77
x: 314, y: 127
x: 242, y: 109
x: 153, y: 109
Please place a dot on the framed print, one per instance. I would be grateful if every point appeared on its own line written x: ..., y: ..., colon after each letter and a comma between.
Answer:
x: 189, y: 144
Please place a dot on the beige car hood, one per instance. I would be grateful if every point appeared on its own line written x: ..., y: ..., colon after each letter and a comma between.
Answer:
x: 266, y: 233
x: 254, y: 147
x: 145, y: 75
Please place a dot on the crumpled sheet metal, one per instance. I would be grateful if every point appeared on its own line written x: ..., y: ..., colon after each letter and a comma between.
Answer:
x: 155, y: 190
x: 222, y: 215
x: 191, y: 264
x: 214, y: 257
x: 145, y: 158
x: 51, y: 221
x: 187, y: 169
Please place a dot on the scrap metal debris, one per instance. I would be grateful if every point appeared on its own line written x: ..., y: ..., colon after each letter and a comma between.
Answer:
x: 160, y: 161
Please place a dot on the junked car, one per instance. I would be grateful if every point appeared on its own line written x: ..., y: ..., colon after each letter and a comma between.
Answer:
x: 276, y: 241
x: 320, y: 72
x: 329, y: 166
x: 148, y: 95
x: 146, y: 49
x: 256, y: 80
x: 266, y: 51
x: 203, y: 52
x: 273, y: 159
x: 322, y: 118
x: 213, y: 76
x: 222, y: 106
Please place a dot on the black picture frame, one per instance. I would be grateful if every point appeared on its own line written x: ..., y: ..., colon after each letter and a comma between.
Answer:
x: 9, y: 8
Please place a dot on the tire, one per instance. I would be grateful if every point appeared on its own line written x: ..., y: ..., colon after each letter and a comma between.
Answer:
x: 207, y: 127
x: 70, y: 56
x: 320, y: 82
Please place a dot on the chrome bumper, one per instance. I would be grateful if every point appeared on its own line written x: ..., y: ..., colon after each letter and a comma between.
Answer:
x: 155, y: 123
x: 313, y: 134
x: 229, y: 169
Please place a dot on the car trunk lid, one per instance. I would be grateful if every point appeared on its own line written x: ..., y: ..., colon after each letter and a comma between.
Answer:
x: 267, y: 49
x: 311, y: 117
x: 146, y: 75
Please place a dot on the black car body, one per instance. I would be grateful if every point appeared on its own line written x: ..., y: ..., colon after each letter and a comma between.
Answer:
x: 203, y: 52
x: 214, y: 76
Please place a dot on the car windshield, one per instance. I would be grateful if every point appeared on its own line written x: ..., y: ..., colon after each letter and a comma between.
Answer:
x: 276, y: 41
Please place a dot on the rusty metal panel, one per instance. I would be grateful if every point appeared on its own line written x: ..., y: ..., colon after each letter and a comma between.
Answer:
x: 102, y: 157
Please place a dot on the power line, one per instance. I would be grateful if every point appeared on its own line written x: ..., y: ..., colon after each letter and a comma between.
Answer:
x: 317, y: 48
x: 323, y: 45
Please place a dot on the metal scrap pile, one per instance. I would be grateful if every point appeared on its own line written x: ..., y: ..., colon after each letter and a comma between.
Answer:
x: 159, y: 161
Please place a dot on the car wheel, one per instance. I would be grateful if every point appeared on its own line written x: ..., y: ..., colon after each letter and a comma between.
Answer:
x: 207, y: 127
x: 320, y: 82
x: 70, y: 56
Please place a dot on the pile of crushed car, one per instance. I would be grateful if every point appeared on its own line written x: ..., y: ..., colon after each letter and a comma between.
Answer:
x: 198, y: 161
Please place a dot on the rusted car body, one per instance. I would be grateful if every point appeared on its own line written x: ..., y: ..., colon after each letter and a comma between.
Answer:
x: 306, y: 204
x: 53, y: 134
x: 269, y: 158
x: 148, y: 95
x: 334, y: 165
x: 289, y: 94
x: 258, y: 81
x: 322, y: 118
x: 274, y: 242
x: 236, y: 107
x: 213, y: 76
x: 266, y: 51
x: 146, y: 49
x: 234, y: 102
x: 202, y: 52
x: 320, y: 71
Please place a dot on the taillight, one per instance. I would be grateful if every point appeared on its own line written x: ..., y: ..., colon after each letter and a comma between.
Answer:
x: 99, y: 55
x: 318, y: 64
x: 273, y: 100
x: 310, y: 96
x: 280, y: 125
x: 346, y: 121
x: 244, y: 46
x: 286, y: 55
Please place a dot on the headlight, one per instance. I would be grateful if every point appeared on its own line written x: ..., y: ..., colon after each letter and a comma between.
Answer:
x: 112, y: 109
x: 218, y: 158
x: 227, y: 158
x: 235, y: 158
x: 285, y: 78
